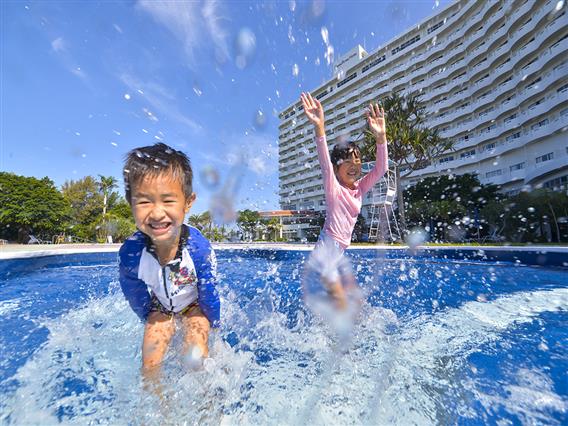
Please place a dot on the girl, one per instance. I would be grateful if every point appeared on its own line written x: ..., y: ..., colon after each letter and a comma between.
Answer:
x: 344, y: 191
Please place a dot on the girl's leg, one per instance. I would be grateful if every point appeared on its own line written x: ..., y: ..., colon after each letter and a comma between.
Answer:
x: 337, y: 292
x: 196, y: 326
x: 157, y: 336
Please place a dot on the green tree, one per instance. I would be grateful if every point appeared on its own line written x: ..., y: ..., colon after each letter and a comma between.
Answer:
x: 248, y: 222
x: 273, y: 227
x: 121, y: 208
x: 87, y: 206
x: 448, y: 202
x: 536, y: 216
x: 30, y: 205
x: 411, y: 145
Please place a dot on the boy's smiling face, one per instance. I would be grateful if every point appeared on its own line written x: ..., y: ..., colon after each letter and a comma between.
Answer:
x: 159, y: 206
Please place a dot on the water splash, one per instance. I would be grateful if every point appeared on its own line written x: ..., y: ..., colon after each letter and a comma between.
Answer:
x: 245, y: 46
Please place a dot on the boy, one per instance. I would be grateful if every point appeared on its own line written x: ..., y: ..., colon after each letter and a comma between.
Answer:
x: 167, y: 269
x: 344, y: 191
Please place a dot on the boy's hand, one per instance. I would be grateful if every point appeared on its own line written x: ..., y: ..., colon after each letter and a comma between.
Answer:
x: 314, y: 112
x: 376, y: 120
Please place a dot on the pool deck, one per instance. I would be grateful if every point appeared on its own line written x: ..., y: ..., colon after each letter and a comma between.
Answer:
x: 18, y: 251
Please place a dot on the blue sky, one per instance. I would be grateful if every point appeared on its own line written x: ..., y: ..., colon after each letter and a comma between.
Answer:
x: 84, y: 82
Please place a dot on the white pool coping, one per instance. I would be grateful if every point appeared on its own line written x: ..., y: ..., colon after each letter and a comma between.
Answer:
x: 14, y: 251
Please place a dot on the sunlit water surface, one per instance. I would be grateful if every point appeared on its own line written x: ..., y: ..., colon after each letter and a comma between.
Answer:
x: 437, y: 342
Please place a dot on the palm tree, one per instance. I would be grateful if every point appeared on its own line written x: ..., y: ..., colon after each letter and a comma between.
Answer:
x: 411, y: 144
x: 202, y: 222
x: 106, y: 185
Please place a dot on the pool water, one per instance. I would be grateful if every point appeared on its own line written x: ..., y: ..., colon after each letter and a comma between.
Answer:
x: 437, y: 342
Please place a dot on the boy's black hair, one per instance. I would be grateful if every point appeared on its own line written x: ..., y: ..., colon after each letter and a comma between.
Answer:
x: 153, y: 160
x: 343, y: 151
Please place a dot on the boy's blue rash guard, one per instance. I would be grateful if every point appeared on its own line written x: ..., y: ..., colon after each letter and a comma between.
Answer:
x: 136, y: 291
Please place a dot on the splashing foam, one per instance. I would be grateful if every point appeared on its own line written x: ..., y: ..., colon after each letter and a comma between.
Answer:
x: 88, y: 370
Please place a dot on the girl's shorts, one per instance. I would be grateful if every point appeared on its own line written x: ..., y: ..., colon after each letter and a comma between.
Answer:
x: 329, y: 260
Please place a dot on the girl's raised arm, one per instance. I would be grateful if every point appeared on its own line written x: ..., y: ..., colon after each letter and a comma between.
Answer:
x: 376, y: 120
x: 314, y: 112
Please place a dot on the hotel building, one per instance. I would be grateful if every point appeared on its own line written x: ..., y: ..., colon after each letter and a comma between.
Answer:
x: 493, y: 76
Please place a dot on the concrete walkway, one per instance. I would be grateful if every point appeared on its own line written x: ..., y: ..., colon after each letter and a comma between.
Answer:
x: 14, y: 251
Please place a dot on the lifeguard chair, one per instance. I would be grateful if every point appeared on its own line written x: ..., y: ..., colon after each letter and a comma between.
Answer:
x: 384, y: 226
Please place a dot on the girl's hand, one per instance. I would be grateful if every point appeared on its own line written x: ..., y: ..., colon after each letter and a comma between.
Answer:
x: 376, y: 120
x: 314, y: 112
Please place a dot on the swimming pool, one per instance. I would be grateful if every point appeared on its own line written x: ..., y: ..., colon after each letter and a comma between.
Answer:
x: 439, y: 341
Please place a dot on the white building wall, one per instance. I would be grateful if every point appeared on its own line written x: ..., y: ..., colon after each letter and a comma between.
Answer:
x: 493, y: 76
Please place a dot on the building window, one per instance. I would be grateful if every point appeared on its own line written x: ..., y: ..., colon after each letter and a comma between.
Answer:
x: 482, y: 79
x: 511, y: 117
x: 467, y: 154
x: 562, y: 89
x: 505, y: 81
x: 557, y: 183
x: 533, y: 84
x: 446, y: 159
x: 435, y: 27
x: 493, y: 173
x: 539, y: 124
x: 545, y: 157
x: 405, y: 44
x: 458, y: 76
x: 537, y: 103
x: 373, y: 63
x: 489, y: 146
x: 518, y: 166
x: 512, y: 137
x: 347, y: 79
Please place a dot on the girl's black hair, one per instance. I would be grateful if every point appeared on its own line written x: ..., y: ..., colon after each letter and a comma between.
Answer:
x: 343, y: 151
x: 153, y: 160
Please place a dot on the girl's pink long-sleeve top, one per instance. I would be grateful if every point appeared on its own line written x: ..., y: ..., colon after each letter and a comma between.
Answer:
x: 343, y: 205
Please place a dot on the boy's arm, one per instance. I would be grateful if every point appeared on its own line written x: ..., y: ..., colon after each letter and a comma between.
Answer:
x: 314, y: 112
x: 134, y: 289
x: 208, y: 297
x: 376, y: 121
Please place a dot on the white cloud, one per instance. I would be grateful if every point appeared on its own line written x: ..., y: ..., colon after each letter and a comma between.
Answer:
x: 162, y: 100
x: 194, y: 23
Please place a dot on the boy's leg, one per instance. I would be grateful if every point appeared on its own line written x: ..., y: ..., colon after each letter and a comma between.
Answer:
x: 196, y: 326
x: 158, y: 333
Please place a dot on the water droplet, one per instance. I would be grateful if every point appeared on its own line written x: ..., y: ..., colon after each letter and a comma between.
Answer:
x: 416, y: 237
x: 295, y: 70
x: 114, y: 144
x: 531, y: 209
x: 245, y: 47
x: 260, y: 119
x: 292, y: 5
x: 127, y: 96
x: 325, y: 35
x: 210, y: 177
x: 222, y: 209
x: 329, y: 54
x: 559, y: 6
